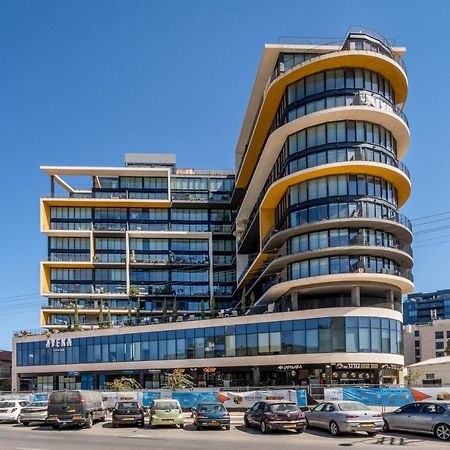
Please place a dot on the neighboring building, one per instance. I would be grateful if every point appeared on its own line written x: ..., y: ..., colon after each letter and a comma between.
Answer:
x: 425, y: 307
x: 426, y: 341
x: 432, y: 372
x: 321, y: 247
x: 5, y: 370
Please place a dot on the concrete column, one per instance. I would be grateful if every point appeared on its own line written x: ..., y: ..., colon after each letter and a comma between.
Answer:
x: 390, y: 298
x: 356, y: 296
x: 256, y: 376
x: 294, y: 301
x: 52, y: 186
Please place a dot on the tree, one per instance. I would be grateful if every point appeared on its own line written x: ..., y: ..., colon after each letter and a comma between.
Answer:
x: 179, y: 380
x: 243, y: 302
x: 164, y: 309
x: 412, y: 376
x: 123, y: 384
x: 447, y: 349
x: 202, y: 309
x: 212, y: 307
x: 174, y: 308
x: 76, y: 320
x: 252, y: 301
x: 129, y: 314
x: 100, y: 316
x: 109, y: 318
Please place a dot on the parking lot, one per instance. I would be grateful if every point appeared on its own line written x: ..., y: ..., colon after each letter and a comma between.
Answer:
x: 103, y: 436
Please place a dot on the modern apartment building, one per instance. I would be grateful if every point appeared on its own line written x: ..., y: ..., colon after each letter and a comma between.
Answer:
x: 426, y: 307
x: 5, y: 370
x: 303, y: 248
x: 424, y: 341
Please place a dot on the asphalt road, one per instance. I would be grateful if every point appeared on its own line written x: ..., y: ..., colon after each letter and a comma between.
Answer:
x: 103, y: 437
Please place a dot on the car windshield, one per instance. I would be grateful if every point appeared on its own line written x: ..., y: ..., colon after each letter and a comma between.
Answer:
x: 57, y: 397
x: 37, y: 405
x: 125, y: 405
x: 7, y: 404
x: 283, y: 407
x: 213, y: 408
x: 353, y: 406
x: 165, y: 405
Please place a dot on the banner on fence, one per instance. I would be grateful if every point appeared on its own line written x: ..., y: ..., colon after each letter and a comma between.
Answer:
x: 249, y: 398
x: 192, y: 399
x: 389, y: 397
x: 302, y: 399
x: 148, y: 397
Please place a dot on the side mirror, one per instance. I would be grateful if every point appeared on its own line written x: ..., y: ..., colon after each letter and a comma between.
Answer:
x: 397, y: 411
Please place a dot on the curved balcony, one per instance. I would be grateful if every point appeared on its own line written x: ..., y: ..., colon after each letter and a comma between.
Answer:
x: 282, y: 283
x: 274, y: 91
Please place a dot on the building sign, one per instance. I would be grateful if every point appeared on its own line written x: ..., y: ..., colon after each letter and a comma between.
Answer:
x: 58, y: 343
x: 209, y: 369
x: 290, y: 367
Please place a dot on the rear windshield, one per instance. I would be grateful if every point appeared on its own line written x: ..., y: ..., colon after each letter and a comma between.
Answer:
x: 282, y: 407
x: 165, y: 405
x: 125, y: 405
x: 37, y: 405
x: 71, y: 397
x: 353, y: 406
x: 212, y: 408
x: 56, y: 397
x: 7, y: 404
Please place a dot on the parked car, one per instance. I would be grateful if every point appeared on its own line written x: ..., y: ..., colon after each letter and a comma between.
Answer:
x: 127, y: 412
x: 345, y: 417
x: 166, y: 412
x: 34, y: 412
x: 76, y: 407
x: 422, y: 417
x: 275, y: 415
x: 211, y: 414
x: 10, y: 410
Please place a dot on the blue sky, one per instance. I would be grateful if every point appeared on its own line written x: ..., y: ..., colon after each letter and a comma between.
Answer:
x: 83, y: 82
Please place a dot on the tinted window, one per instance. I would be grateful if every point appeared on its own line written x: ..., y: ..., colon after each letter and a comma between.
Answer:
x: 7, y: 405
x: 73, y: 397
x: 213, y: 408
x: 56, y: 398
x: 319, y: 407
x: 352, y: 406
x: 281, y: 407
x: 125, y: 405
x: 432, y: 408
x: 413, y: 408
x: 165, y: 405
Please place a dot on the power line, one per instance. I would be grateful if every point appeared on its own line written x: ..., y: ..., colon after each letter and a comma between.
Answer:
x: 430, y: 216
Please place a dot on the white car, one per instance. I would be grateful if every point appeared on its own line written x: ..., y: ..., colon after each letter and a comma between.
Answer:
x: 10, y: 410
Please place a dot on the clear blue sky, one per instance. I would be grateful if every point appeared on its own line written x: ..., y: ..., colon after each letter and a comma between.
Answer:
x: 83, y: 82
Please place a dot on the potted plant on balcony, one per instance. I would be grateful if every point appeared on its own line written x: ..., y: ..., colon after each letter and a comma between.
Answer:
x: 134, y: 291
x: 202, y: 309
x: 212, y: 307
x: 243, y: 302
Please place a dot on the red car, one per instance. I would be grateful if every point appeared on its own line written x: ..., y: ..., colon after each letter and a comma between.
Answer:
x: 275, y: 415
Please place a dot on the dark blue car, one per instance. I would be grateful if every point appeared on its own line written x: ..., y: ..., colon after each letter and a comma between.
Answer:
x: 211, y: 414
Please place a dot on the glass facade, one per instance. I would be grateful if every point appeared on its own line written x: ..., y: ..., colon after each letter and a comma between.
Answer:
x: 324, y: 335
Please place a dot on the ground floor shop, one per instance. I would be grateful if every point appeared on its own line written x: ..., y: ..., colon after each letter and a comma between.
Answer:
x: 223, y: 377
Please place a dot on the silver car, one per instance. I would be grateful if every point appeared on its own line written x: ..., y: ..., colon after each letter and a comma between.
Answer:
x: 421, y: 417
x: 345, y: 417
x: 34, y: 412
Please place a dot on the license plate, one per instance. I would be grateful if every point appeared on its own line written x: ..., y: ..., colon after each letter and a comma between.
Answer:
x: 3, y: 410
x: 129, y: 418
x: 52, y: 418
x: 368, y: 424
x: 70, y: 410
x: 290, y: 425
x: 214, y: 424
x: 167, y: 420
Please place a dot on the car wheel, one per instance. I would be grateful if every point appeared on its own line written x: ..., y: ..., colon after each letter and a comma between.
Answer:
x: 89, y: 421
x: 103, y: 418
x: 442, y: 431
x: 299, y: 430
x: 227, y: 427
x: 182, y: 426
x: 141, y: 424
x: 18, y: 419
x: 385, y: 425
x: 372, y: 433
x: 306, y: 423
x: 199, y: 428
x: 334, y: 428
x: 246, y: 422
x: 25, y: 424
x: 55, y: 426
x: 263, y: 427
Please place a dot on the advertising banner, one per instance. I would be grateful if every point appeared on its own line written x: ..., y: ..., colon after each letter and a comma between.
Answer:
x: 376, y: 396
x: 302, y: 399
x: 192, y: 399
x: 330, y: 394
x: 148, y: 397
x: 249, y: 398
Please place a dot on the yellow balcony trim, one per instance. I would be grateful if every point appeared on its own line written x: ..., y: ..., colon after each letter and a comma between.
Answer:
x: 366, y: 60
x: 106, y: 202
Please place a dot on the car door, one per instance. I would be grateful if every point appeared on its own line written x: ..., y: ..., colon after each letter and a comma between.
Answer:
x: 406, y: 417
x: 314, y: 415
x: 427, y: 417
x: 251, y: 416
x: 327, y: 415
